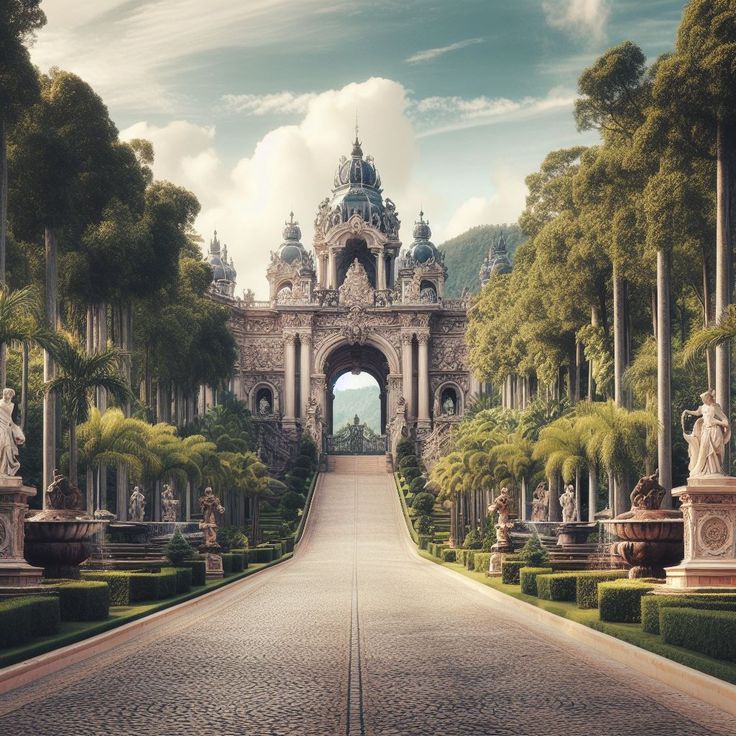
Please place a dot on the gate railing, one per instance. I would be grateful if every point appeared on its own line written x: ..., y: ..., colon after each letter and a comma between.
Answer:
x: 356, y: 439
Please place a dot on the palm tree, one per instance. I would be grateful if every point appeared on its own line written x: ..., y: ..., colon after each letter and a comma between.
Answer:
x: 619, y: 439
x: 516, y: 456
x: 707, y: 338
x: 77, y: 376
x: 249, y: 476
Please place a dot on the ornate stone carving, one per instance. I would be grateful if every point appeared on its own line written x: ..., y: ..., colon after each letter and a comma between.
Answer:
x: 448, y: 355
x: 356, y: 290
x: 714, y: 535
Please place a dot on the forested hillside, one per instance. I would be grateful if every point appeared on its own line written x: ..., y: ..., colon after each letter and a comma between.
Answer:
x: 465, y: 253
x: 361, y: 401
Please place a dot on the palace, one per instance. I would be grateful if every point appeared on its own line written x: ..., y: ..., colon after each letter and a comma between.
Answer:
x: 354, y: 302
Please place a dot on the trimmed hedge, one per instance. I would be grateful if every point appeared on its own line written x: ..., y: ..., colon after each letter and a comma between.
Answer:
x: 528, y: 578
x: 199, y: 571
x: 586, y: 585
x: 260, y: 554
x: 23, y: 618
x: 559, y: 586
x: 183, y: 579
x: 227, y: 563
x: 510, y: 571
x: 652, y: 606
x: 712, y: 633
x: 481, y: 561
x: 83, y: 600
x: 449, y: 555
x: 442, y: 536
x: 131, y: 587
x: 620, y: 600
x: 470, y: 559
x: 424, y: 540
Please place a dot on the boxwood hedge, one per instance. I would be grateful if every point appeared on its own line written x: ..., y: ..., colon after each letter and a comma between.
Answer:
x: 620, y: 600
x: 652, y: 606
x: 26, y: 617
x: 712, y: 633
x: 528, y: 578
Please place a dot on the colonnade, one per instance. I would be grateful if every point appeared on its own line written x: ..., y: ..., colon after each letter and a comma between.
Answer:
x: 328, y: 268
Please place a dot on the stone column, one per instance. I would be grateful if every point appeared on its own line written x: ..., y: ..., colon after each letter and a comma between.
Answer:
x: 289, y: 376
x: 305, y: 369
x: 380, y: 271
x: 407, y: 370
x: 423, y: 382
x: 323, y: 270
x: 332, y: 261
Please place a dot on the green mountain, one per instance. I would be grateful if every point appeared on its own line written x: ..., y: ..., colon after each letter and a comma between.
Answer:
x: 363, y: 401
x: 465, y: 253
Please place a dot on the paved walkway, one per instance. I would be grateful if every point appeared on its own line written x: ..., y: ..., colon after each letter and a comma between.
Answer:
x: 356, y: 635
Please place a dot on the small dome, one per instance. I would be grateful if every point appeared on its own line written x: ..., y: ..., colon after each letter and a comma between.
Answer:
x: 421, y: 228
x: 292, y: 231
x: 423, y: 249
x: 291, y: 249
x: 422, y: 252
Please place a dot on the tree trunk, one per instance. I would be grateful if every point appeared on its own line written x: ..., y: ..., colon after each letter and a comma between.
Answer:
x: 664, y: 374
x: 24, y: 386
x: 578, y: 498
x: 709, y: 355
x: 3, y: 232
x: 592, y: 492
x: 49, y: 401
x: 73, y: 476
x: 522, y: 502
x: 554, y: 512
x: 723, y: 272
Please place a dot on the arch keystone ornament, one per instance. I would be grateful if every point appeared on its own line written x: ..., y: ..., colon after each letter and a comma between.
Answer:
x: 708, y: 505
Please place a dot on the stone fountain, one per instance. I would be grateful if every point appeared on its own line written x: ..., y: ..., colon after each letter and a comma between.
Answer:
x: 61, y: 537
x: 650, y: 536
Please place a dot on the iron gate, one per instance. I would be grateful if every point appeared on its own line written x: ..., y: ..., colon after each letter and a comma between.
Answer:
x: 356, y: 439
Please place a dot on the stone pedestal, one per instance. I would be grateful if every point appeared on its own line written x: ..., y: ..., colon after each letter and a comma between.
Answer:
x: 494, y: 564
x: 709, y: 514
x: 15, y: 572
x: 214, y: 564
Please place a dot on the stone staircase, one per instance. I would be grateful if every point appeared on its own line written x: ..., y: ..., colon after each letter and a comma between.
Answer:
x: 347, y: 464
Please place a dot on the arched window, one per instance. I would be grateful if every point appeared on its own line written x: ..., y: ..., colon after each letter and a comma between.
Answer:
x: 427, y: 293
x: 449, y: 402
x: 263, y: 402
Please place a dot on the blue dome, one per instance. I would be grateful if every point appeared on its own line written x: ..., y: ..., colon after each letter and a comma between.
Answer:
x: 291, y: 249
x: 423, y: 249
x: 357, y: 171
x: 422, y: 252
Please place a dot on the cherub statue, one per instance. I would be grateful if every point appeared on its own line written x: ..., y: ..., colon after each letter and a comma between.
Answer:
x: 709, y: 438
x: 502, y: 506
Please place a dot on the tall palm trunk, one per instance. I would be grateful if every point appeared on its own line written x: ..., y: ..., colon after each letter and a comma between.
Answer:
x: 592, y: 491
x: 619, y: 351
x: 709, y: 355
x: 3, y: 230
x: 24, y: 386
x: 664, y: 373
x: 73, y: 453
x: 554, y: 512
x: 49, y: 400
x: 723, y: 270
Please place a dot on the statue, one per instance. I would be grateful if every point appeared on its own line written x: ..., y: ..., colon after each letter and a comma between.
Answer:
x: 448, y: 408
x: 707, y: 442
x: 647, y: 493
x: 137, y: 505
x: 11, y: 436
x: 169, y: 504
x: 61, y: 495
x: 264, y: 407
x: 540, y: 503
x: 502, y: 506
x: 567, y: 502
x: 211, y: 506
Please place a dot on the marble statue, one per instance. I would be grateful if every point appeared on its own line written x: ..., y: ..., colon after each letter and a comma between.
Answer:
x: 137, y: 505
x: 61, y: 495
x: 567, y: 502
x: 169, y: 504
x: 264, y: 407
x: 211, y: 506
x: 11, y: 436
x: 540, y: 510
x: 448, y: 408
x: 709, y: 438
x: 502, y: 506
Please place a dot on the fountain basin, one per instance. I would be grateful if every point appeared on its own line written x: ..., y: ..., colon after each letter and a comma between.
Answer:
x: 59, y: 541
x: 651, y: 539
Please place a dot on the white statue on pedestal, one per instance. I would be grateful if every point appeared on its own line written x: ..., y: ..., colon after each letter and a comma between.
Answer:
x: 11, y: 436
x: 707, y: 442
x: 567, y: 502
x: 137, y: 505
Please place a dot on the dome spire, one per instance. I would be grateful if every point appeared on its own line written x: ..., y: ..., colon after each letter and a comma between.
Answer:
x: 357, y: 150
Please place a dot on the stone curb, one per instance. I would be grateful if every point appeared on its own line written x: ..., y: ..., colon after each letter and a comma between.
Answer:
x: 23, y: 673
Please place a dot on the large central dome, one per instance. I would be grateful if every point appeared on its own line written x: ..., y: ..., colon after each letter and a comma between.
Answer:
x: 356, y: 171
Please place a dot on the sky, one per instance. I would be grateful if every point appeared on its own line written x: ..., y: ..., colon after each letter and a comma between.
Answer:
x: 250, y: 103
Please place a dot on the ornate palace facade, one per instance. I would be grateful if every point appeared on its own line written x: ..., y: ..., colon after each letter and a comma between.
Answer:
x: 356, y: 303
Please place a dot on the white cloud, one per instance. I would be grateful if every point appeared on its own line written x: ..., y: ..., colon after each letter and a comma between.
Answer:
x: 269, y: 104
x: 443, y: 114
x: 503, y: 205
x: 291, y: 167
x: 578, y: 17
x: 431, y: 54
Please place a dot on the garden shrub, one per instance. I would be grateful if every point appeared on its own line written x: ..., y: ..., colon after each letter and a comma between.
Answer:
x: 424, y: 526
x: 449, y: 555
x: 528, y: 578
x: 560, y: 586
x: 442, y: 536
x: 28, y: 616
x: 227, y: 563
x: 118, y: 582
x: 231, y: 536
x: 260, y: 554
x: 409, y: 474
x: 470, y: 559
x: 423, y: 504
x: 238, y: 561
x: 533, y: 553
x: 712, y: 633
x: 510, y: 571
x: 131, y: 587
x: 409, y: 461
x: 473, y: 540
x: 481, y: 561
x: 178, y: 549
x: 489, y: 538
x: 83, y: 600
x: 652, y: 606
x: 243, y: 554
x: 619, y: 601
x: 183, y: 579
x: 199, y: 571
x: 404, y: 447
x: 45, y: 615
x: 409, y: 500
x: 291, y: 503
x: 302, y: 473
x: 303, y: 461
x: 417, y: 485
x: 586, y: 585
x: 424, y: 539
x: 308, y: 449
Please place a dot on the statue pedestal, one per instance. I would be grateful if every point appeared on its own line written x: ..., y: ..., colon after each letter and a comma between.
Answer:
x: 16, y: 575
x: 709, y: 514
x: 494, y: 564
x: 213, y: 562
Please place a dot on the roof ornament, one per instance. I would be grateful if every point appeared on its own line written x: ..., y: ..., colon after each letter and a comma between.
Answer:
x: 357, y: 150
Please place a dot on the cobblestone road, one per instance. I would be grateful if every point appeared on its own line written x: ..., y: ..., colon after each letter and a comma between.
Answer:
x: 355, y: 635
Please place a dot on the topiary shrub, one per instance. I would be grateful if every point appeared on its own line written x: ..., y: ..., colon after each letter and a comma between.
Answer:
x: 557, y: 586
x: 417, y: 485
x: 260, y: 555
x: 619, y: 601
x: 473, y: 540
x: 118, y: 583
x: 510, y: 571
x: 410, y: 474
x: 303, y: 461
x: 449, y: 555
x: 528, y: 578
x: 481, y: 561
x: 423, y: 525
x: 424, y: 539
x: 586, y: 585
x: 652, y: 606
x: 238, y: 561
x: 83, y: 600
x: 423, y: 504
x: 409, y: 461
x: 712, y: 633
x: 178, y: 549
x: 533, y: 553
x: 404, y: 447
x: 231, y: 536
x: 308, y: 449
x: 45, y: 615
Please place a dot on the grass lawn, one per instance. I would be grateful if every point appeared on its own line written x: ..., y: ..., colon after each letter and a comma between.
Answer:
x: 74, y: 631
x: 631, y: 633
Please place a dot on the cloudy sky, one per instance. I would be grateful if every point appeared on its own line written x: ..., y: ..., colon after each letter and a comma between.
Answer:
x: 249, y: 103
